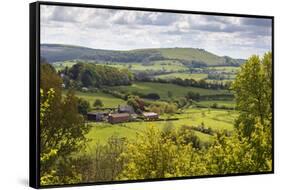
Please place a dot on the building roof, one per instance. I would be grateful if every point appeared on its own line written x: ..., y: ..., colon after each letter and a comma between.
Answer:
x: 149, y: 114
x: 95, y: 113
x: 119, y: 115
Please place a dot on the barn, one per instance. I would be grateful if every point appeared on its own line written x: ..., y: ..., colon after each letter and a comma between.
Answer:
x: 118, y: 118
x: 150, y: 115
x: 96, y: 116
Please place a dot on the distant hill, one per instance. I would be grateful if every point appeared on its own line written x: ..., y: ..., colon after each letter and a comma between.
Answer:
x: 193, y: 56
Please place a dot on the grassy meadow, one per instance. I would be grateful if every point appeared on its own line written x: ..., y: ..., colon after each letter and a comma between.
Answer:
x: 213, y: 118
x: 162, y: 89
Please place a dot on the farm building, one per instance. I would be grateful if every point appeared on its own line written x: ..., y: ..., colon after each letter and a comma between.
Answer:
x: 96, y: 116
x: 126, y: 109
x: 118, y: 118
x: 150, y: 115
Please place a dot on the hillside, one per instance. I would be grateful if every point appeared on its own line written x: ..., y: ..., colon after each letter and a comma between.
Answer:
x: 189, y: 56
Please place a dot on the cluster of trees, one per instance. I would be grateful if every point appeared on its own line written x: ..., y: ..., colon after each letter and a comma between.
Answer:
x: 253, y: 92
x: 192, y: 96
x: 158, y: 155
x: 91, y: 75
x: 162, y: 107
x: 194, y: 63
x: 201, y: 128
x: 123, y: 94
x: 137, y: 103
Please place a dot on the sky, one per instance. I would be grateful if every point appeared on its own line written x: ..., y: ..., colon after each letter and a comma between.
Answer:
x: 237, y: 37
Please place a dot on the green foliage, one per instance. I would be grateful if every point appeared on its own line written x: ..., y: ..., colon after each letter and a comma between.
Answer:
x: 83, y: 106
x: 192, y: 96
x: 152, y: 96
x: 150, y: 156
x: 253, y: 93
x: 92, y: 75
x: 98, y: 103
x: 162, y: 107
x: 157, y: 154
x: 137, y: 103
x: 49, y: 79
x: 104, y: 162
x: 229, y: 155
x: 62, y: 131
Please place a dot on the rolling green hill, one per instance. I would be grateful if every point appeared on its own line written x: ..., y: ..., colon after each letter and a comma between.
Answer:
x: 188, y: 56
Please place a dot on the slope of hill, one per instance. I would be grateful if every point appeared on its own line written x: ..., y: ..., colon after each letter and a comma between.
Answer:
x: 59, y: 52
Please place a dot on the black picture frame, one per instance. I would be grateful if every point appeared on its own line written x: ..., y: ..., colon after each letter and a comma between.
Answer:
x: 34, y: 86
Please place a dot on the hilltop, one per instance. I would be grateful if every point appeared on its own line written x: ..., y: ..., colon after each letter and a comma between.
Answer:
x: 189, y: 56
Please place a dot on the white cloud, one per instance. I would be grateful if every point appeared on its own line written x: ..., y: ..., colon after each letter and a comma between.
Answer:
x: 122, y: 29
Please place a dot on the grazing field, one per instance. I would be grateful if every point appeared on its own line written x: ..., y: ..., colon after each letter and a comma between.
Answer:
x: 167, y: 65
x: 107, y: 99
x: 163, y: 88
x: 191, y: 54
x: 195, y: 76
x: 225, y: 68
x: 215, y: 119
x: 170, y: 66
x: 226, y: 103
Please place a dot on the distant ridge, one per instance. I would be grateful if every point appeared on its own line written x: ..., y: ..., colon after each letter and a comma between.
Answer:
x: 61, y: 52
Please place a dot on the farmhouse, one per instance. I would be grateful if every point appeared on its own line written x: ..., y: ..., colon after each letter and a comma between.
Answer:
x: 126, y: 109
x: 150, y: 115
x: 118, y: 118
x: 96, y: 116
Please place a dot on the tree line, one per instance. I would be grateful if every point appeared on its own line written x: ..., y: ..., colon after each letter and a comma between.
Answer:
x: 92, y: 75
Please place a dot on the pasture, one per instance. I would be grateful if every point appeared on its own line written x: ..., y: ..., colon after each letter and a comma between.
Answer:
x: 163, y: 88
x: 215, y: 119
x: 195, y: 76
x: 225, y: 103
x: 107, y: 99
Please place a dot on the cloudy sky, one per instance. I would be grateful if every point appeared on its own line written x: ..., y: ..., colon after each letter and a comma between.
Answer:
x: 125, y: 30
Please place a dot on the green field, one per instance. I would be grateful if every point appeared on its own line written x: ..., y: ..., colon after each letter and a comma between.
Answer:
x: 191, y: 54
x: 225, y: 68
x: 215, y: 119
x: 168, y: 66
x: 163, y: 88
x: 226, y: 103
x: 195, y: 76
x: 107, y: 99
